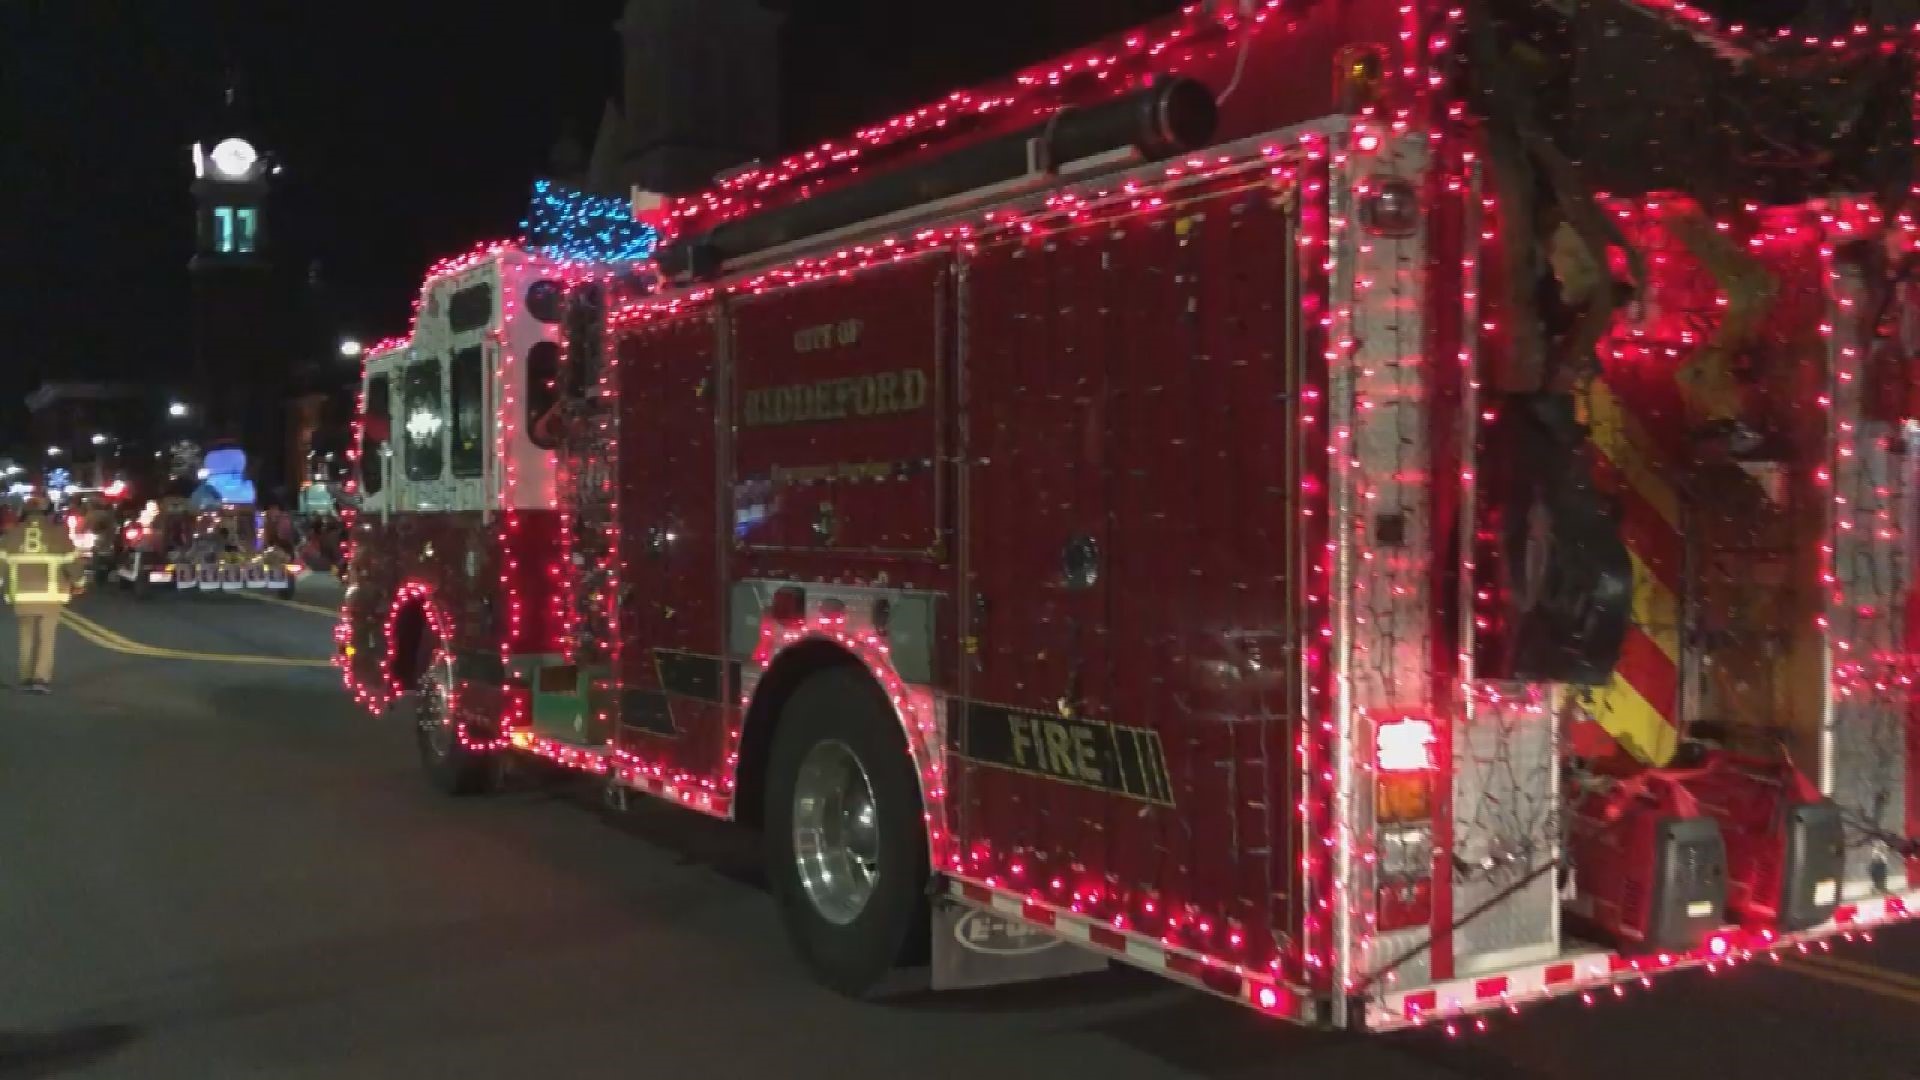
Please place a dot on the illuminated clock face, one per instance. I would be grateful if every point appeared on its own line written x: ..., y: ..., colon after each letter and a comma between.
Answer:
x: 234, y: 157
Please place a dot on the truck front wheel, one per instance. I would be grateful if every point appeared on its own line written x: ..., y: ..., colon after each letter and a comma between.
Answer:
x: 451, y: 766
x: 846, y: 842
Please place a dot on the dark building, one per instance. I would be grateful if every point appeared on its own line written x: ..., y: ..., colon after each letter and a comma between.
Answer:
x: 241, y: 309
x: 322, y: 391
x: 700, y: 96
x: 99, y: 431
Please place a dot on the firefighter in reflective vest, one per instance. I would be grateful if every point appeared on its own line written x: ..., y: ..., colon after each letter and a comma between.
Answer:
x: 42, y: 571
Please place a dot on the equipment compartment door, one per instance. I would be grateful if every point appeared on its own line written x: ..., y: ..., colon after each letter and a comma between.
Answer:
x: 674, y: 682
x: 1130, y: 543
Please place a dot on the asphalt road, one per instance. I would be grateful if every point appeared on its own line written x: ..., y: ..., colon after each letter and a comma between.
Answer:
x: 215, y: 869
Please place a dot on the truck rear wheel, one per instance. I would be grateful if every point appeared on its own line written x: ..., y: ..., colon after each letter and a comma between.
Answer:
x: 452, y: 767
x: 846, y: 842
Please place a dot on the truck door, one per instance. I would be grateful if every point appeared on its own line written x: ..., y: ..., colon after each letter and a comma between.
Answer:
x: 374, y: 577
x: 673, y: 684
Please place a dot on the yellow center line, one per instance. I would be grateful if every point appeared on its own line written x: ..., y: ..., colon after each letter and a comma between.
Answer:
x: 316, y: 609
x: 1877, y: 984
x: 93, y: 637
x: 96, y: 630
x: 1865, y: 971
x: 107, y: 639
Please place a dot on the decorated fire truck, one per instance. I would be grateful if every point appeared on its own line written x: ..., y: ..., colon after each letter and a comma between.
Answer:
x: 1378, y: 510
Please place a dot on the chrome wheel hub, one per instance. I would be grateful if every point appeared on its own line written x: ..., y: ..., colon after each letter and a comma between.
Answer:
x: 433, y: 708
x: 836, y: 832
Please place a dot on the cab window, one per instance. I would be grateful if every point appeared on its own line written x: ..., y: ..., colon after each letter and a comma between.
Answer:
x: 543, y: 394
x: 375, y: 439
x: 424, y: 421
x: 469, y: 390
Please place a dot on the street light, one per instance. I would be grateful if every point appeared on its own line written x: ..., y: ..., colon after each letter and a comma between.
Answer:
x: 350, y: 349
x: 99, y: 440
x: 177, y: 410
x: 53, y: 451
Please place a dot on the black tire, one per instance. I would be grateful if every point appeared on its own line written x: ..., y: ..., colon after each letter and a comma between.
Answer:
x: 854, y: 958
x: 450, y: 767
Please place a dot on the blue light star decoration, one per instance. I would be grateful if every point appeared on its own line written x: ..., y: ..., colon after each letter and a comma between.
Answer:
x: 568, y: 224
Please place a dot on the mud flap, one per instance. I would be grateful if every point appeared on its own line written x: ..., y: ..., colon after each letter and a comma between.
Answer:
x: 974, y: 948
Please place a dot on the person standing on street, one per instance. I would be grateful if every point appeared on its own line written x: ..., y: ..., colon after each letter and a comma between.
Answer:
x: 42, y: 572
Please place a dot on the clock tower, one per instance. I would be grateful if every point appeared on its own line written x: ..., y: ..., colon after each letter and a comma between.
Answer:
x: 239, y: 323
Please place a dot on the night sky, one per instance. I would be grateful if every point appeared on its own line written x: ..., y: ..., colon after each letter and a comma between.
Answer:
x: 408, y: 130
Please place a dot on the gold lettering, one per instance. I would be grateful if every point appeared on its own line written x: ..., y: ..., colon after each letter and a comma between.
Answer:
x: 811, y: 338
x: 1022, y: 741
x: 1084, y: 762
x: 1059, y: 749
x: 826, y: 336
x: 882, y: 394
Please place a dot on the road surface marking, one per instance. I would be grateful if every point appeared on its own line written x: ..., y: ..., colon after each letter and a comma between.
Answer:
x: 1876, y: 984
x: 1864, y: 971
x: 331, y: 613
x: 108, y: 639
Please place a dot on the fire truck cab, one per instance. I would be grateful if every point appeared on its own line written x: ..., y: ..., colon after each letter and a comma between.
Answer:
x: 1298, y: 498
x: 450, y: 462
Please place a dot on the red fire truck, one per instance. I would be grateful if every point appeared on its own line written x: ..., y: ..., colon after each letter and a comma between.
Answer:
x: 1375, y: 509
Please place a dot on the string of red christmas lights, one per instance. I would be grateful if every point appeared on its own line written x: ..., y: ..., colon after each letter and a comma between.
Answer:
x: 1321, y: 170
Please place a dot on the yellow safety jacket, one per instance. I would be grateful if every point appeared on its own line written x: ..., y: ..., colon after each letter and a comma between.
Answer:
x: 41, y: 563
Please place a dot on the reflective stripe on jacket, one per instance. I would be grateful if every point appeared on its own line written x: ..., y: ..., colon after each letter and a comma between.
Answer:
x: 41, y: 563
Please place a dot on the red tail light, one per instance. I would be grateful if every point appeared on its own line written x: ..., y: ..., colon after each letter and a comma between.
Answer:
x: 1403, y: 806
